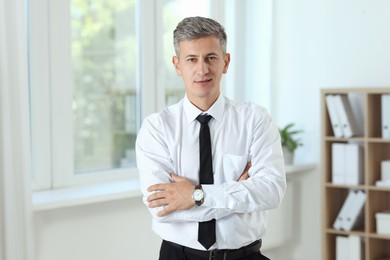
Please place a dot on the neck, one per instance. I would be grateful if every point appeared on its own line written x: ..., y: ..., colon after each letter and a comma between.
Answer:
x: 203, y: 103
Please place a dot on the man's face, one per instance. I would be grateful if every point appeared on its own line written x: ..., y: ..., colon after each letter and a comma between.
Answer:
x: 201, y: 64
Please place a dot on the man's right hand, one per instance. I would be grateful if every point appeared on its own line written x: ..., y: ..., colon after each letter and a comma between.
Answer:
x: 173, y: 196
x: 245, y: 175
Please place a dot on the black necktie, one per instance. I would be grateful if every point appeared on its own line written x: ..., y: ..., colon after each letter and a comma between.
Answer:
x: 206, y: 232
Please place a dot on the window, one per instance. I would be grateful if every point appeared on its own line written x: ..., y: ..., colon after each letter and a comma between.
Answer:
x: 94, y: 75
x: 105, y: 93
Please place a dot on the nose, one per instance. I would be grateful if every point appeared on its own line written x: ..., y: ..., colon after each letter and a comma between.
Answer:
x: 202, y: 68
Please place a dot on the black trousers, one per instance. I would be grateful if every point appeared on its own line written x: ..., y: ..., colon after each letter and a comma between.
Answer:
x: 170, y: 252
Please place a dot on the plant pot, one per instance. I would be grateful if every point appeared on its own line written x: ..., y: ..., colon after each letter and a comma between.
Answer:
x: 288, y: 156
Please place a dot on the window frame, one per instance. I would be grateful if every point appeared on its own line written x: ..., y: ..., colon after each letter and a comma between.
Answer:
x: 40, y: 95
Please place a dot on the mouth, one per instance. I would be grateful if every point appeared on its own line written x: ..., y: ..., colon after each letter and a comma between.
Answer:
x: 203, y: 81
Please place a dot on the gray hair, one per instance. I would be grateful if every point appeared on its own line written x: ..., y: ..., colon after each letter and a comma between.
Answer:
x: 191, y: 28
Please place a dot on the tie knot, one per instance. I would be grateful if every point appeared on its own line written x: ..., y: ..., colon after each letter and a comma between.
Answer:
x: 204, y: 118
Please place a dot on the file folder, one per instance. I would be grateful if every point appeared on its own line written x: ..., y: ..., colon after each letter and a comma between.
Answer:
x: 333, y: 116
x: 355, y: 248
x: 338, y: 163
x: 354, y: 164
x: 344, y: 111
x: 355, y: 213
x: 342, y: 248
x: 344, y: 211
x: 385, y: 118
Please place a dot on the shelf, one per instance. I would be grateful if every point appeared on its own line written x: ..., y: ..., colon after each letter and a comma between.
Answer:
x: 378, y: 140
x: 341, y: 186
x: 367, y: 105
x: 341, y: 232
x: 376, y: 188
x: 379, y: 236
x: 336, y: 139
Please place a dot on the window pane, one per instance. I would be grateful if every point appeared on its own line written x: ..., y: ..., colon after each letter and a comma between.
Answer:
x: 174, y: 11
x: 104, y: 68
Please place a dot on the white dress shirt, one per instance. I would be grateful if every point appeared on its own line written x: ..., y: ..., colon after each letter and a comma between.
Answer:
x: 168, y: 142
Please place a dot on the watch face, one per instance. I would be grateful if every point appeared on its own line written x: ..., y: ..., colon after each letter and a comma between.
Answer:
x: 197, y: 195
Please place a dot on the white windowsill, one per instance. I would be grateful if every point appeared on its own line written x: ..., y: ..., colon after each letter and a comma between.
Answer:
x: 88, y: 194
x: 293, y: 169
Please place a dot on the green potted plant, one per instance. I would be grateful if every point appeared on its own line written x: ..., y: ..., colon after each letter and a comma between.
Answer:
x: 290, y: 142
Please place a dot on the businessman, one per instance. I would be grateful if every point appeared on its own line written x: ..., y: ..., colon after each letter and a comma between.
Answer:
x: 209, y: 168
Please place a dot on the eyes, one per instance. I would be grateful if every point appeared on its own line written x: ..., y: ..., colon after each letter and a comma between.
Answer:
x: 208, y: 59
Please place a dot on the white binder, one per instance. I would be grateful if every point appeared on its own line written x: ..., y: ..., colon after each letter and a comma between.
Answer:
x: 344, y: 111
x: 338, y: 163
x: 355, y: 248
x: 344, y: 211
x: 349, y: 248
x: 354, y: 164
x: 342, y: 248
x: 385, y: 108
x: 334, y: 118
x: 356, y: 211
x: 385, y: 170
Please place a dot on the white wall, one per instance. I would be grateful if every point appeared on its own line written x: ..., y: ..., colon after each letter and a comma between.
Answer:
x: 319, y: 44
x: 117, y: 230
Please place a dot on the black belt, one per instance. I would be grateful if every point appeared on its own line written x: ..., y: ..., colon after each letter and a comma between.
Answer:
x: 223, y: 254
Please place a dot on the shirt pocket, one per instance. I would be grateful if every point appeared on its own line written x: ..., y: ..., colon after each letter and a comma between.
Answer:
x: 233, y: 166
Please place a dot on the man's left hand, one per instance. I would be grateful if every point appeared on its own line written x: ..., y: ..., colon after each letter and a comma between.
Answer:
x: 174, y: 196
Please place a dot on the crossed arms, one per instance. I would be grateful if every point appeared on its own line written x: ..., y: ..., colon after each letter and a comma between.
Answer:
x: 177, y: 195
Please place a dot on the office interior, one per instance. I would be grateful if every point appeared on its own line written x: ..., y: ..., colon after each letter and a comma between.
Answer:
x: 283, y: 54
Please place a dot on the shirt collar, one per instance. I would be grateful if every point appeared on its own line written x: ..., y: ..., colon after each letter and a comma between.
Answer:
x: 216, y: 110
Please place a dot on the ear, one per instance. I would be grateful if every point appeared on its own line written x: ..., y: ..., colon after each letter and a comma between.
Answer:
x: 227, y: 61
x: 175, y: 62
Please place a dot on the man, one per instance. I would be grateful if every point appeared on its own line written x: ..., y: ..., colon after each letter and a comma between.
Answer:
x: 209, y: 203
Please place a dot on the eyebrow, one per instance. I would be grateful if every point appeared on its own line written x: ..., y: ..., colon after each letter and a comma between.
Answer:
x: 207, y: 55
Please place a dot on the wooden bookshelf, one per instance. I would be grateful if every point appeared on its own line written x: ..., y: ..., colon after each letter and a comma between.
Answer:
x: 368, y: 113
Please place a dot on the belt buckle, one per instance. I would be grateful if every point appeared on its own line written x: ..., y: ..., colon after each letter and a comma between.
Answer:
x: 214, y: 255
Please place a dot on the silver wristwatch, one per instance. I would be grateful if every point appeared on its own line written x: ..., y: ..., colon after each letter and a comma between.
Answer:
x: 198, y: 195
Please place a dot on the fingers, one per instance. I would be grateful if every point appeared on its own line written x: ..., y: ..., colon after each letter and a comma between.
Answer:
x: 156, y: 196
x: 176, y: 178
x: 159, y: 199
x: 157, y: 187
x: 158, y: 203
x: 165, y: 211
x: 245, y: 175
x: 164, y: 186
x: 248, y: 165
